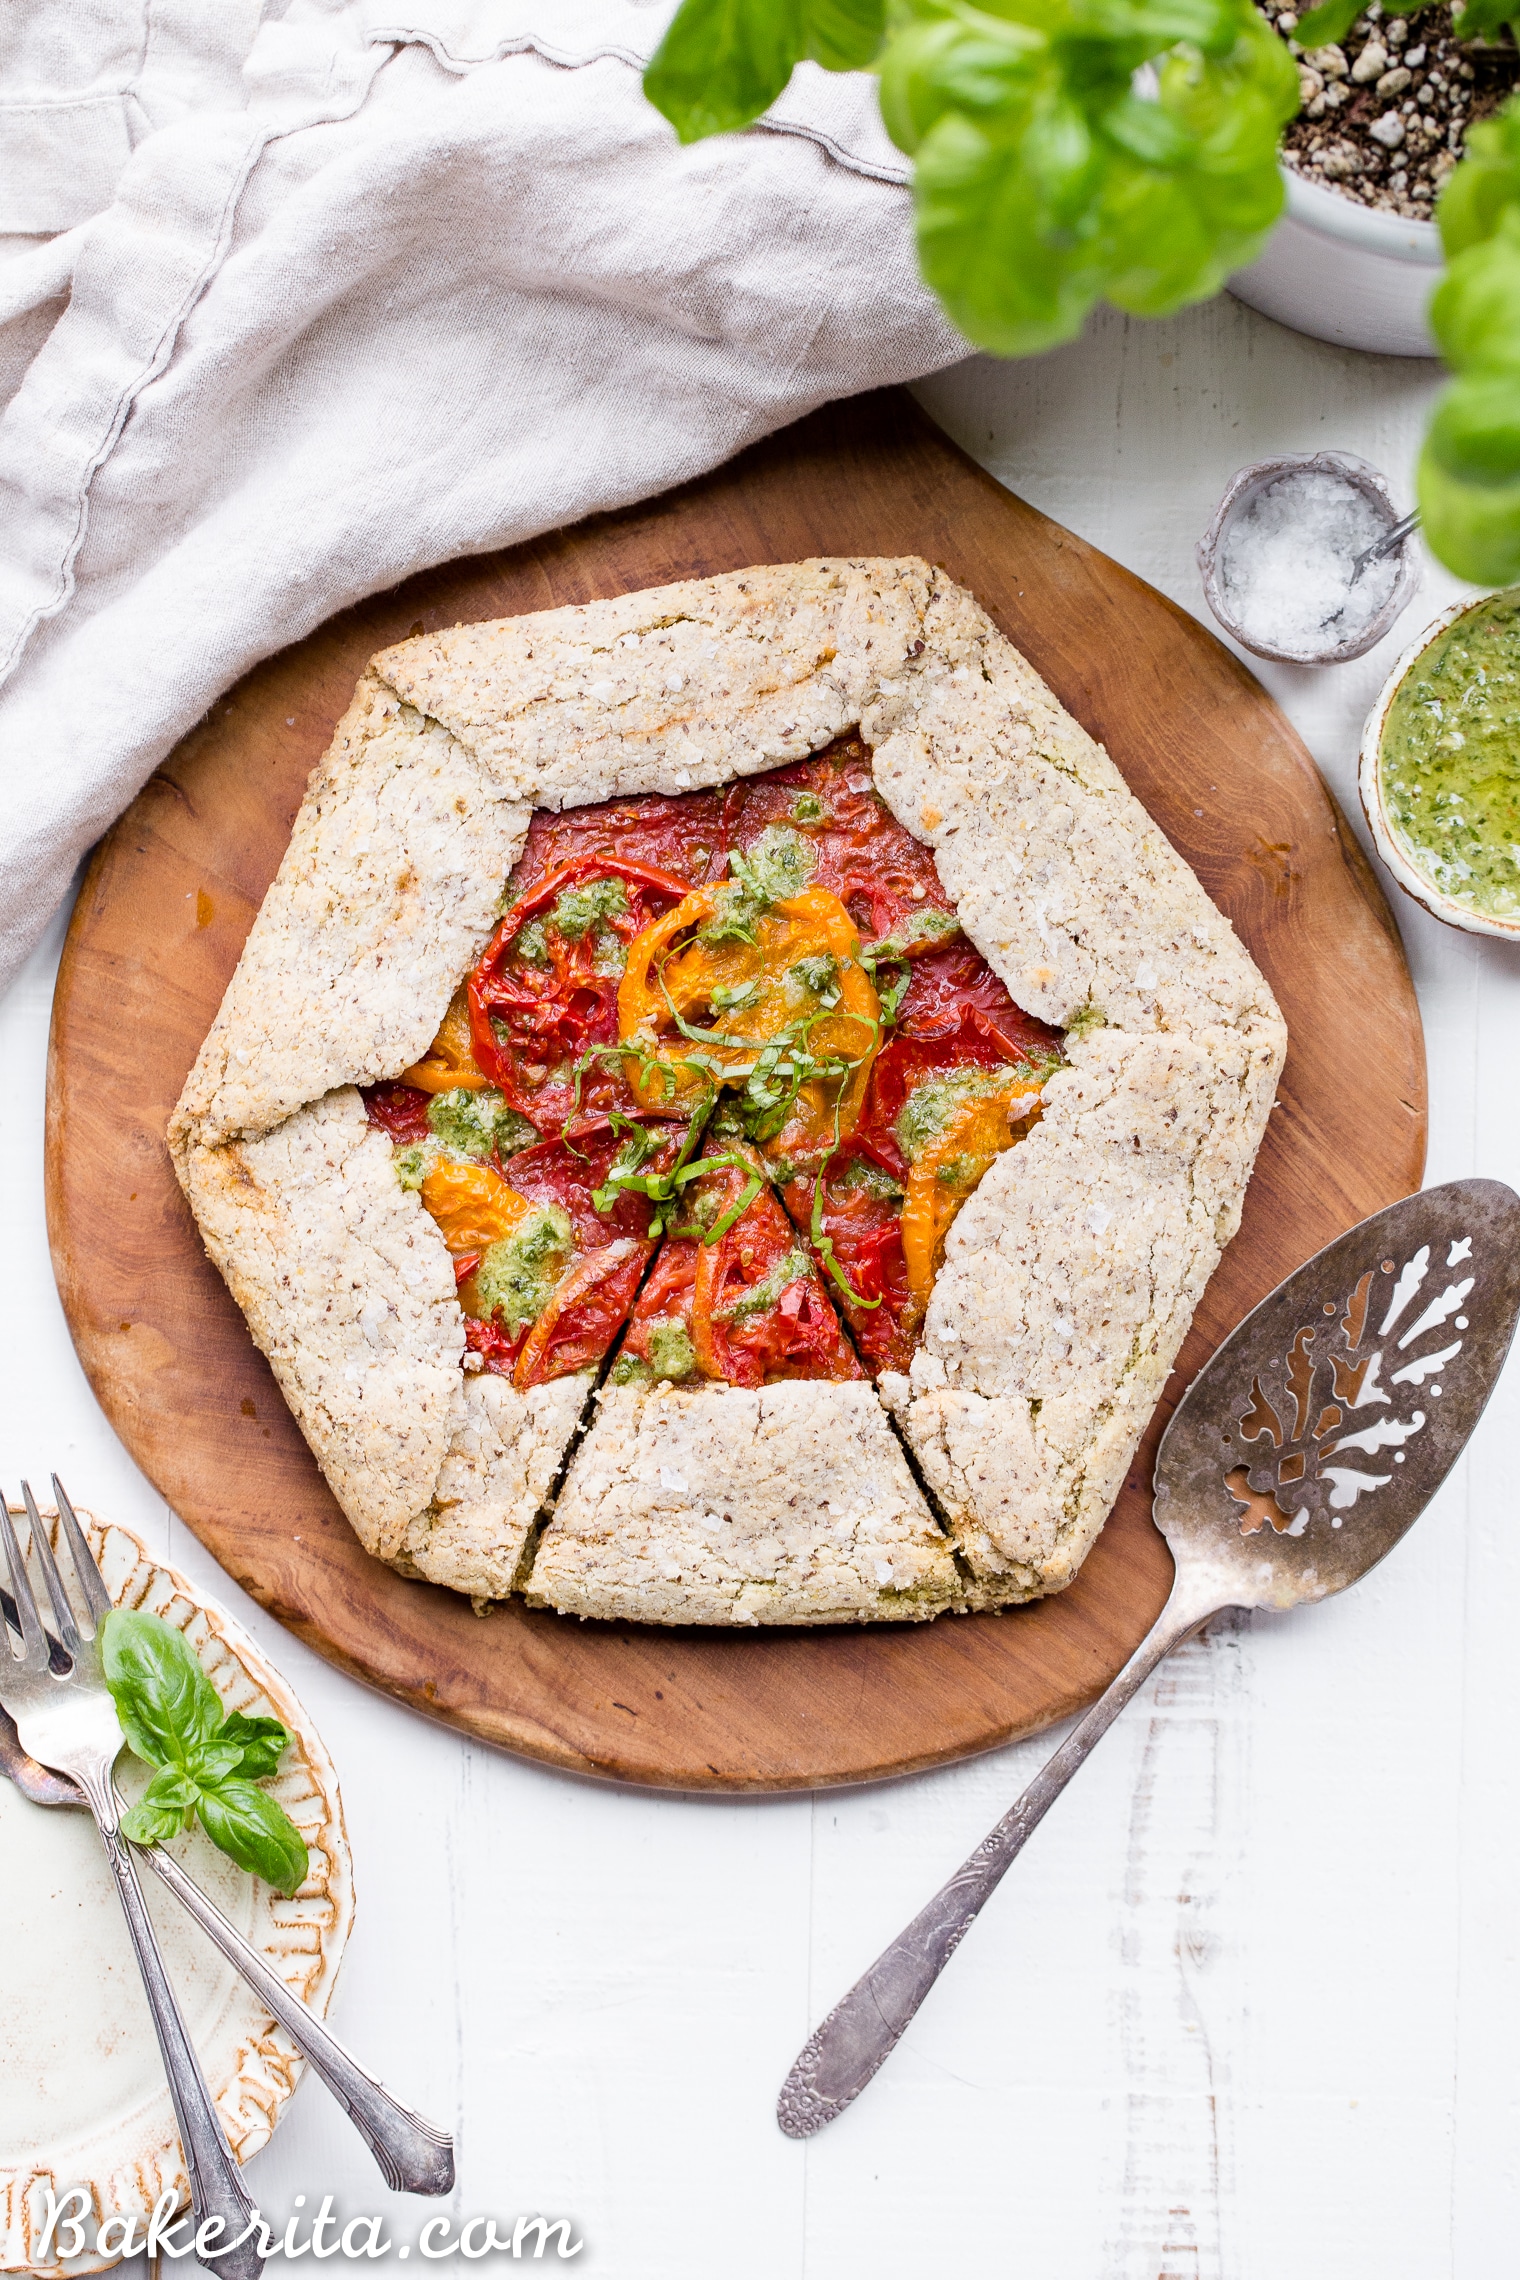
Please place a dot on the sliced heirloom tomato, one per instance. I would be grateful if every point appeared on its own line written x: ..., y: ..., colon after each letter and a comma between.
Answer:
x: 733, y: 1295
x: 680, y: 835
x: 585, y: 1314
x: 978, y: 1061
x: 859, y: 1250
x: 953, y: 993
x: 578, y: 1167
x: 590, y: 1304
x: 705, y: 1004
x: 473, y: 1205
x: 885, y: 878
x: 400, y: 1111
x: 759, y: 1311
x: 592, y: 1279
x: 947, y: 1171
x: 541, y: 1002
x: 659, y: 1343
x: 450, y: 1060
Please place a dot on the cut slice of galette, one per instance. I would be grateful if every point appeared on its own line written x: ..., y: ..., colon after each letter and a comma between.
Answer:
x: 724, y: 997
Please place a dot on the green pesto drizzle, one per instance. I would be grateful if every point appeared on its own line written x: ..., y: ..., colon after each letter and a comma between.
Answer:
x: 1449, y: 759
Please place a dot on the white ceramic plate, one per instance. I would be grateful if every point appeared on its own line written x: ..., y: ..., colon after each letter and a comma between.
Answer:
x: 82, y: 2095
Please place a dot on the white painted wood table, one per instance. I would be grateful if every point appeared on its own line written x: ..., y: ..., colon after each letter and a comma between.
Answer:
x: 1249, y: 2007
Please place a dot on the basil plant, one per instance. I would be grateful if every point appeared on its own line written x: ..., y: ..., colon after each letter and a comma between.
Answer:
x: 1067, y: 152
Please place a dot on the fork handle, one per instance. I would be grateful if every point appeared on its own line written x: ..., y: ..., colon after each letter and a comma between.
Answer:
x: 414, y: 2156
x: 216, y: 2189
x: 864, y: 2029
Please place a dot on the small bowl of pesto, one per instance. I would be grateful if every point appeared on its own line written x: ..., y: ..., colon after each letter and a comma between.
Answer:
x: 1440, y: 766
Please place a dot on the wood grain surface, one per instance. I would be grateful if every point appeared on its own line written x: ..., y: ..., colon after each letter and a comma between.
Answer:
x: 161, y: 920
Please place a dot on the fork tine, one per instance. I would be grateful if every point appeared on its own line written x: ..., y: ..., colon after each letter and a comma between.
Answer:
x: 33, y: 1637
x: 63, y: 1613
x: 91, y: 1582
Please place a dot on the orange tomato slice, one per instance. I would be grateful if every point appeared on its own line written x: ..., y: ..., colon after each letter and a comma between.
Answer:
x: 670, y: 974
x: 947, y: 1172
x: 473, y: 1205
x: 449, y: 1061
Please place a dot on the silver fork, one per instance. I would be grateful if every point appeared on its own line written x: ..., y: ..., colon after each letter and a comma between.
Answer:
x: 68, y: 1721
x: 413, y: 2154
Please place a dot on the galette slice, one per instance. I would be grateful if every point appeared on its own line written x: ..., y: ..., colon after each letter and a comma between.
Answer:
x: 734, y: 1297
x: 740, y: 1468
x: 959, y: 1079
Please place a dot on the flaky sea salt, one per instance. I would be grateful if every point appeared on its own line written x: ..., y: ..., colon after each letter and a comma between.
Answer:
x: 1285, y: 563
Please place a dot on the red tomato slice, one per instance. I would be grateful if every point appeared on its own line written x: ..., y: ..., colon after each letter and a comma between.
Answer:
x: 591, y: 1303
x: 569, y: 1170
x: 667, y: 1295
x: 497, y: 1348
x: 681, y: 834
x: 952, y: 991
x: 399, y: 1110
x: 793, y: 1331
x: 584, y: 1315
x: 883, y: 875
x: 530, y: 1023
x: 866, y: 1233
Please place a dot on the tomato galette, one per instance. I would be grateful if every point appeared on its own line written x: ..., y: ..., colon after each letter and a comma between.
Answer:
x: 727, y: 1108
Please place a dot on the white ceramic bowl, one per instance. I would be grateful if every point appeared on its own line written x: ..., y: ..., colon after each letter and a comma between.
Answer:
x: 1369, y: 783
x: 1347, y: 273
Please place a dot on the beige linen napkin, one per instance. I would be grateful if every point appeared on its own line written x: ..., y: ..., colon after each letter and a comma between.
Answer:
x: 424, y: 281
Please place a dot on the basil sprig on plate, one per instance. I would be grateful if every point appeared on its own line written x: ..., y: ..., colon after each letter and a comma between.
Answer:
x: 209, y: 1761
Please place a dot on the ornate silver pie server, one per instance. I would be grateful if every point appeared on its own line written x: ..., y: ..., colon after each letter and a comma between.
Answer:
x: 1303, y: 1451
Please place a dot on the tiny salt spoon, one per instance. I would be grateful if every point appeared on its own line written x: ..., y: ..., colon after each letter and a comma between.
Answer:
x: 1380, y: 1353
x: 1390, y: 540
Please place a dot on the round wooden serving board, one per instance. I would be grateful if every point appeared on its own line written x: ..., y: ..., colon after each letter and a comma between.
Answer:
x: 158, y: 929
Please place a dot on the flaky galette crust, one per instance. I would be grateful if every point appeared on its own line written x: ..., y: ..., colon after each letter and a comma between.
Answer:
x: 1070, y: 1276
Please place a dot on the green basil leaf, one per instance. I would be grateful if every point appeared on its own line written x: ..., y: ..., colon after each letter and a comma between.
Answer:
x: 722, y: 63
x: 171, y: 1787
x: 1480, y: 192
x: 1483, y: 19
x: 843, y: 35
x: 214, y: 1762
x: 1158, y: 24
x: 166, y: 1806
x: 147, y: 1824
x: 262, y: 1742
x: 1473, y: 526
x: 1469, y: 478
x: 1328, y: 25
x: 1045, y: 181
x: 249, y: 1825
x: 1475, y: 310
x: 167, y: 1705
x: 984, y: 70
x: 1148, y: 132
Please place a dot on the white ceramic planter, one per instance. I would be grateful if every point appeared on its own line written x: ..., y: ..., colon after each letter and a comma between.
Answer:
x: 1346, y: 273
x: 1370, y: 785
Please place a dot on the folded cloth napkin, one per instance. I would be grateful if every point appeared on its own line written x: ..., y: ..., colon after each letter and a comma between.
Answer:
x: 431, y: 278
